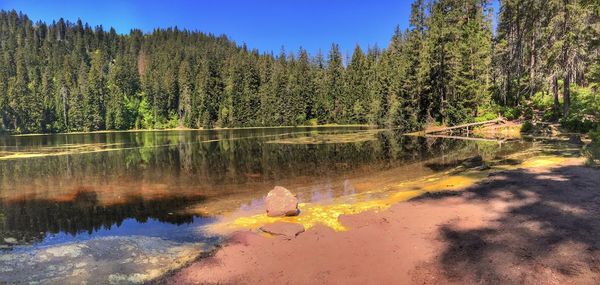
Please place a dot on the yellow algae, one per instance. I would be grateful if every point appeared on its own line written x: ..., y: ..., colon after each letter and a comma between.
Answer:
x: 542, y: 161
x: 328, y: 214
x: 451, y: 183
x: 313, y: 213
x: 65, y: 149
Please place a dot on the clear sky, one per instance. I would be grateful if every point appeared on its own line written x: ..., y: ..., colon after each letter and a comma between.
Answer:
x: 263, y: 24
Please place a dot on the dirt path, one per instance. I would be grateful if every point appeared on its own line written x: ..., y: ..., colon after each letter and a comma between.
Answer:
x: 534, y: 226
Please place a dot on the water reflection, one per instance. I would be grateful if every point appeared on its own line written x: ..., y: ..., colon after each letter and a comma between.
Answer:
x: 94, y: 182
x: 32, y: 220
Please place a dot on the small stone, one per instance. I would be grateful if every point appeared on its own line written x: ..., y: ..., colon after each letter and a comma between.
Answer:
x: 10, y: 240
x: 287, y: 230
x: 473, y: 161
x: 484, y: 167
x: 575, y: 139
x: 281, y: 202
x: 80, y: 264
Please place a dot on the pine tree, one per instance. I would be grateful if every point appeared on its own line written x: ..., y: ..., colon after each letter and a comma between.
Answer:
x: 335, y: 85
x: 95, y: 94
x: 186, y: 91
x: 18, y: 93
x: 356, y: 90
x: 305, y: 88
x: 322, y: 104
x: 250, y: 97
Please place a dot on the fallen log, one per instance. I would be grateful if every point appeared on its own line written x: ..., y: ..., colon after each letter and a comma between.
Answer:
x: 495, y: 121
x: 465, y: 138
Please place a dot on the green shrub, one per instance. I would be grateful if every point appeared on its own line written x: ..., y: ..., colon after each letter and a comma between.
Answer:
x: 595, y: 135
x: 511, y: 113
x: 584, y: 111
x: 550, y: 114
x: 486, y: 117
x: 527, y: 113
x: 576, y: 122
x: 313, y: 122
x: 527, y: 127
x: 542, y: 100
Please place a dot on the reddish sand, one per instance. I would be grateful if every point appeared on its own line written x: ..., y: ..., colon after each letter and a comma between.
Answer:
x: 537, y: 226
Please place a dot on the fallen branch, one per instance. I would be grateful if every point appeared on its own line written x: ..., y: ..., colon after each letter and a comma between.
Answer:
x: 464, y: 138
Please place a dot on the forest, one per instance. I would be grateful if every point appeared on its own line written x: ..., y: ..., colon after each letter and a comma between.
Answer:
x: 451, y: 65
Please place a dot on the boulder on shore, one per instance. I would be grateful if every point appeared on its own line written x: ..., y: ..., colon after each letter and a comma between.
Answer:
x: 281, y: 202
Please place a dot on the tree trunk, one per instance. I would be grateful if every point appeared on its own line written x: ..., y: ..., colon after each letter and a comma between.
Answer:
x: 555, y: 93
x: 567, y: 94
x: 566, y: 66
x: 532, y: 65
x: 63, y: 94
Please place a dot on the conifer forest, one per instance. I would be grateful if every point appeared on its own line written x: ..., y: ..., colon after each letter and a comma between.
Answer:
x: 458, y: 61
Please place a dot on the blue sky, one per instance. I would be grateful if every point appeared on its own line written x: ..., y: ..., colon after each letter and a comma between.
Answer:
x: 262, y: 24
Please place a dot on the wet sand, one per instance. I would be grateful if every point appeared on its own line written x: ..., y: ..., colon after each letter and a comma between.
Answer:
x: 533, y: 225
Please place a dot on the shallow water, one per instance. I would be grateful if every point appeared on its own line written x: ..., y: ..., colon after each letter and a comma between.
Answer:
x: 75, y: 188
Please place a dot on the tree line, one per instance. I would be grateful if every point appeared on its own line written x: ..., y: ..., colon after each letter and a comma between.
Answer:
x: 447, y: 67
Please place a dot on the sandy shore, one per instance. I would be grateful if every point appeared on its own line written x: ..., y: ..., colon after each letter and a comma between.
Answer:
x: 537, y: 225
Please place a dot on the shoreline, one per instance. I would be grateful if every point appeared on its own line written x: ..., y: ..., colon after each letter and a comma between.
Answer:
x: 510, y: 227
x: 185, y: 129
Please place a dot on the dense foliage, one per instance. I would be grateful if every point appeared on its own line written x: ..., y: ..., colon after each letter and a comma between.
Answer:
x: 72, y: 77
x: 547, y: 47
x: 447, y: 67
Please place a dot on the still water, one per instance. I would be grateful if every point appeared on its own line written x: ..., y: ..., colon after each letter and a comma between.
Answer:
x: 66, y: 188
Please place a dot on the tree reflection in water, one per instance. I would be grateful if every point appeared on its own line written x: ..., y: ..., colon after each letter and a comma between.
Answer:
x: 29, y: 221
x: 97, y: 181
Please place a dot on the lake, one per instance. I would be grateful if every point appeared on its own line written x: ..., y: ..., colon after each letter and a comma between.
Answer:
x: 164, y: 187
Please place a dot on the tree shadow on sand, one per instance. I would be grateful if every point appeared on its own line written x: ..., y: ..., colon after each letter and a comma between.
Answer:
x: 547, y: 232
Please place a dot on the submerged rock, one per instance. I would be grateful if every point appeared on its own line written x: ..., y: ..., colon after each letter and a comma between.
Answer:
x: 104, y: 260
x: 484, y: 166
x: 575, y: 139
x: 281, y: 202
x: 10, y: 240
x: 473, y: 161
x: 287, y: 230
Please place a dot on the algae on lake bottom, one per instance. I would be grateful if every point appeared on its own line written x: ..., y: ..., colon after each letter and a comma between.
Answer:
x: 328, y: 138
x: 328, y: 214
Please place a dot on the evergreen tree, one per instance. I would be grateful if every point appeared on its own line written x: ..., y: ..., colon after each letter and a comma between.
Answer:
x: 355, y: 108
x: 95, y: 94
x: 335, y: 85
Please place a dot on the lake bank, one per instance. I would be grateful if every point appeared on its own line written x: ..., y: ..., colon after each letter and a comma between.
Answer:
x: 533, y: 223
x: 190, y: 129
